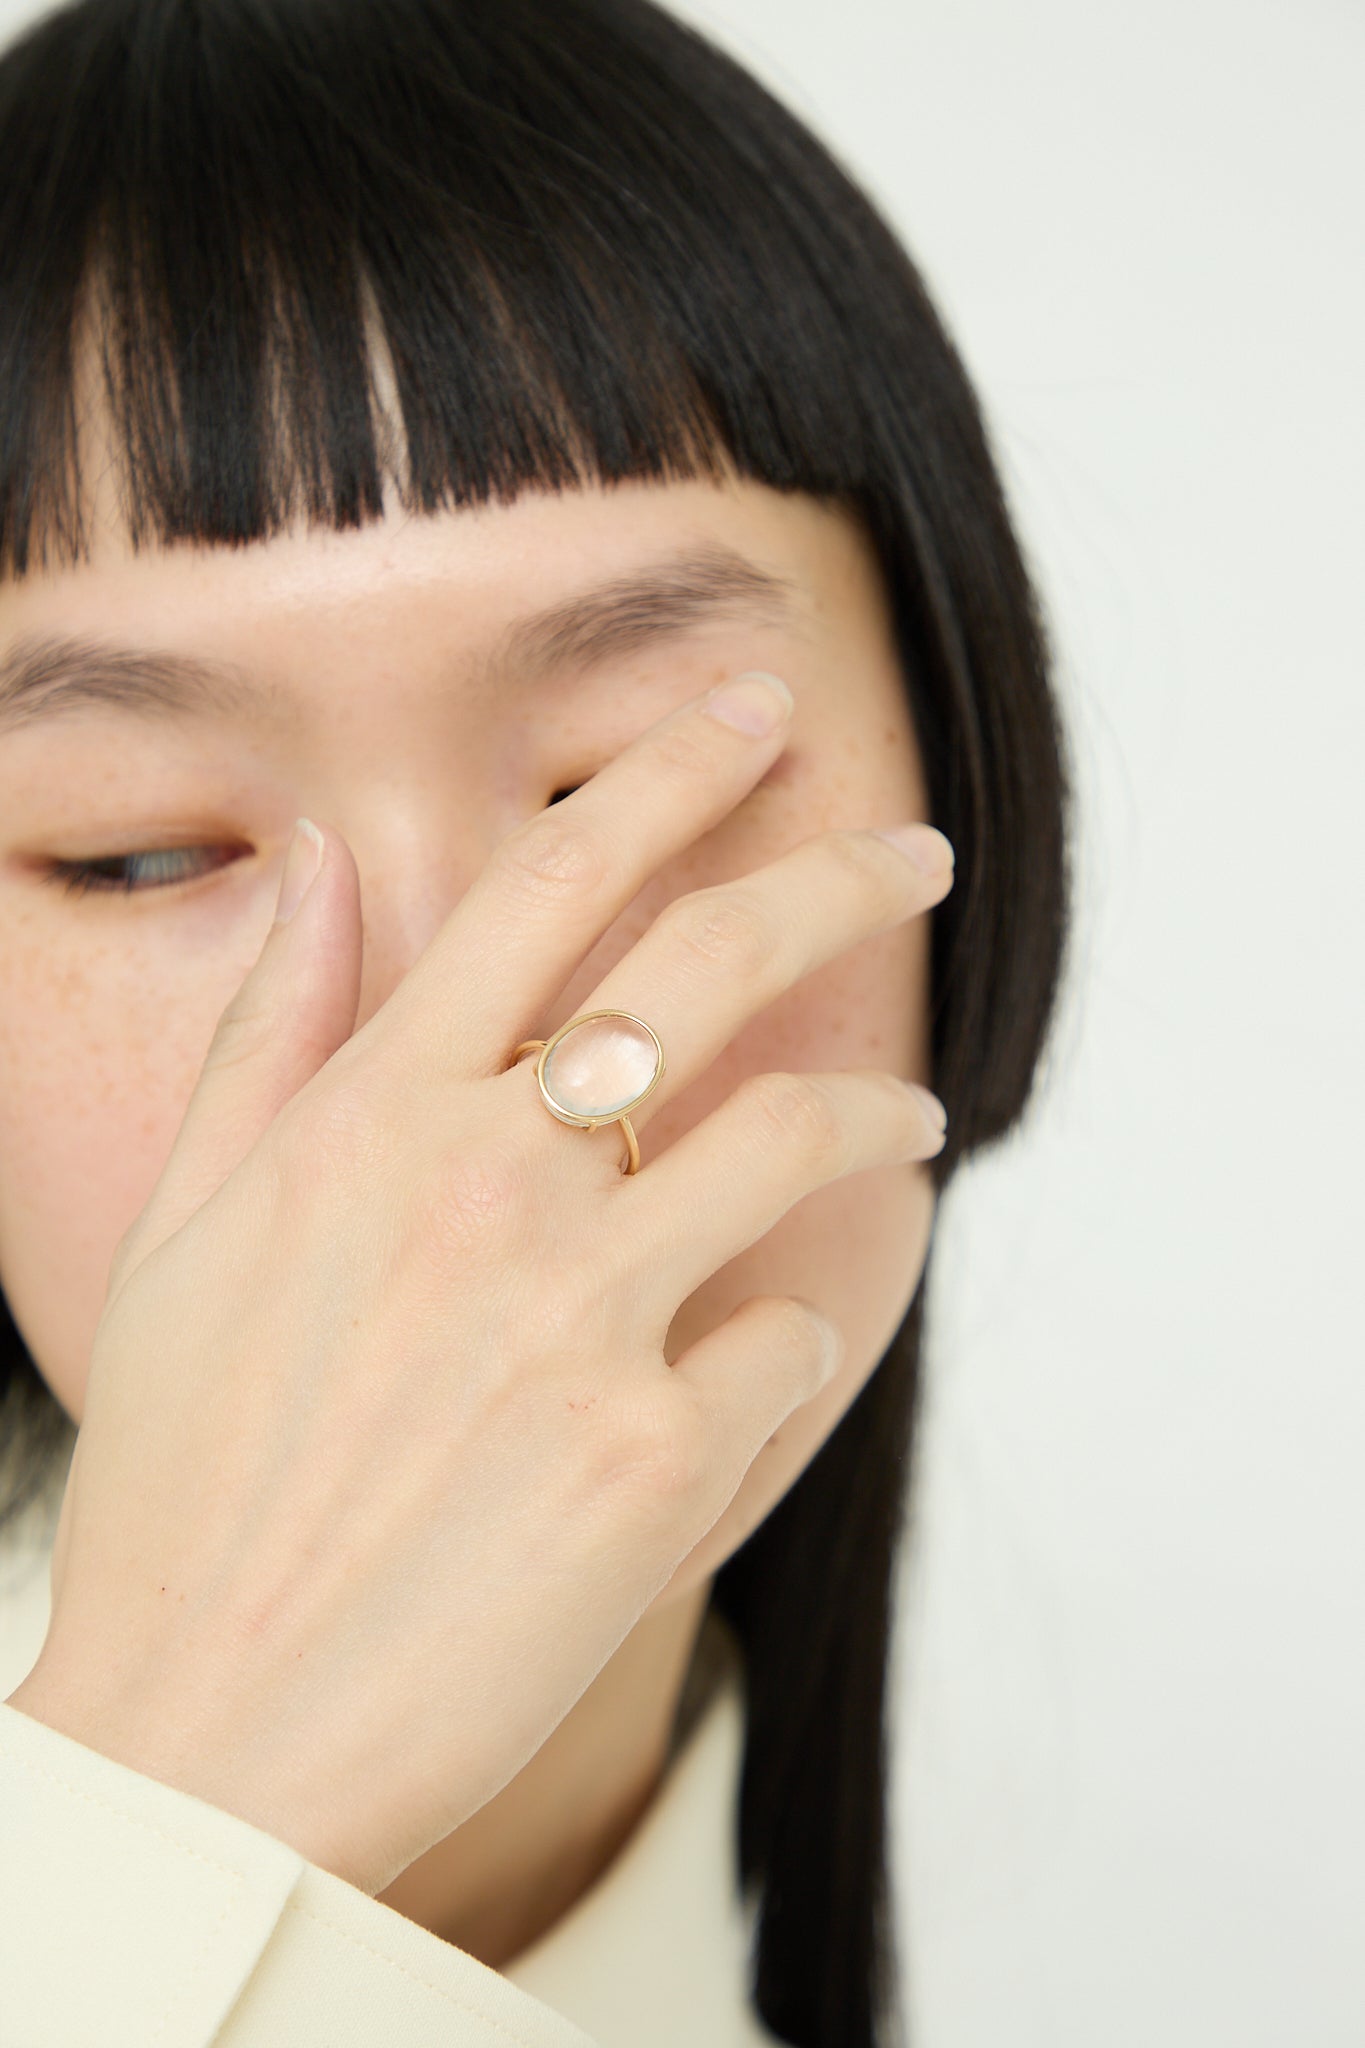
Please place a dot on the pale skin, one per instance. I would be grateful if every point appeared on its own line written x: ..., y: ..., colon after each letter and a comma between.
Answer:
x: 383, y: 729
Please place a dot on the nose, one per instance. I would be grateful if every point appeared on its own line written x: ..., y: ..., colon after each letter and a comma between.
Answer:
x: 416, y: 858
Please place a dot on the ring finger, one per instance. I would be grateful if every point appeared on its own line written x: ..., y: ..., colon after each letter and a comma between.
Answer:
x: 714, y: 958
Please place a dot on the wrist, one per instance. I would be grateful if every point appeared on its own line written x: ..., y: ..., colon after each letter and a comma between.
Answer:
x: 176, y: 1752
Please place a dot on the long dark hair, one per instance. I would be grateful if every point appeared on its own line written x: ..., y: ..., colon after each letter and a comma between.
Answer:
x: 597, y: 249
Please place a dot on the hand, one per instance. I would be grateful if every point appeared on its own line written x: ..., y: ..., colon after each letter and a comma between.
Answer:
x: 381, y: 1458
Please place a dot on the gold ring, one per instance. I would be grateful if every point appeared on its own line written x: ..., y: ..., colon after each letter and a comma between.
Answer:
x: 608, y: 1071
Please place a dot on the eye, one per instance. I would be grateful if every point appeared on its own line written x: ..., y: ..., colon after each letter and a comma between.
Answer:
x: 131, y: 873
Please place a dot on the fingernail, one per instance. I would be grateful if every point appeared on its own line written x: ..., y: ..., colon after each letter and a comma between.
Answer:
x: 926, y: 846
x: 834, y: 1354
x: 754, y: 702
x: 931, y: 1106
x: 301, y: 865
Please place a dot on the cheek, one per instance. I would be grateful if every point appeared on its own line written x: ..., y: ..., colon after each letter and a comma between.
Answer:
x: 100, y: 1047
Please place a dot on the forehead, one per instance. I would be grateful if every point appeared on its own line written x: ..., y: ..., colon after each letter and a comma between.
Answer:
x: 550, y: 584
x: 484, y: 555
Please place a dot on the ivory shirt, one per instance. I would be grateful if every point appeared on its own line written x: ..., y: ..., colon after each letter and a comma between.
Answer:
x: 133, y: 1915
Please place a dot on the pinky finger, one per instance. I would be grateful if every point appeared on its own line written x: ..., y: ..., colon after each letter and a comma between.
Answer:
x: 771, y: 1354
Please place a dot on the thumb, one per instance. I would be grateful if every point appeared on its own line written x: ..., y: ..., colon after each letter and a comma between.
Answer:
x: 296, y: 1006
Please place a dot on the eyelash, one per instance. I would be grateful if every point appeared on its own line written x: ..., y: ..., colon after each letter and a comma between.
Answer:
x: 81, y: 877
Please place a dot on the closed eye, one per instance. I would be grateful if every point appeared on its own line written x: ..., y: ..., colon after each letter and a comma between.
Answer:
x: 135, y: 874
x: 130, y: 873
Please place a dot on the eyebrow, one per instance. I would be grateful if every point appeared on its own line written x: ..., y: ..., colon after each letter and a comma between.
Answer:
x: 50, y: 676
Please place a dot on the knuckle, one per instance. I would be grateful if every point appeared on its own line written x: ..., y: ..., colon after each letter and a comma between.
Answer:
x: 796, y: 1111
x: 686, y: 751
x: 333, y: 1133
x: 723, y: 928
x: 554, y: 854
x: 247, y: 1029
x: 467, y: 1197
x: 570, y: 1313
x: 655, y: 1448
x: 863, y: 863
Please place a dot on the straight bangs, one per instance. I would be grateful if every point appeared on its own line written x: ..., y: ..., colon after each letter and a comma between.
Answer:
x: 293, y: 256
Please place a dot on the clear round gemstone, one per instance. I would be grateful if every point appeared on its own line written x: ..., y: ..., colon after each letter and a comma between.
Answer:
x: 601, y: 1067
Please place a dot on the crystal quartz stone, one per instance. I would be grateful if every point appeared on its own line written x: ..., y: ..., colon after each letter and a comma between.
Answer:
x: 601, y: 1067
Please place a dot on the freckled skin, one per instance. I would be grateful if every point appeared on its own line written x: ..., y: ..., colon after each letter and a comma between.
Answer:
x: 108, y: 1002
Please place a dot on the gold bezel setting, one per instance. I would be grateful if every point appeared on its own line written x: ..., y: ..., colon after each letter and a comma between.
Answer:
x: 611, y: 1116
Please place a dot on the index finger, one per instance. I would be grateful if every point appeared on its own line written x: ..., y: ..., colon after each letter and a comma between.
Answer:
x: 554, y: 884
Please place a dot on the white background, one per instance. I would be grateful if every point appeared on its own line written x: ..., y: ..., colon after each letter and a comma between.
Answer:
x: 1130, y: 1777
x: 1130, y: 1803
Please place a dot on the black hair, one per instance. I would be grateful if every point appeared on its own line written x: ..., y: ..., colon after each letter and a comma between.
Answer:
x: 595, y: 249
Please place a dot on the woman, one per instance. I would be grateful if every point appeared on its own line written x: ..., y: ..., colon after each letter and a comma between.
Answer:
x: 413, y: 410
